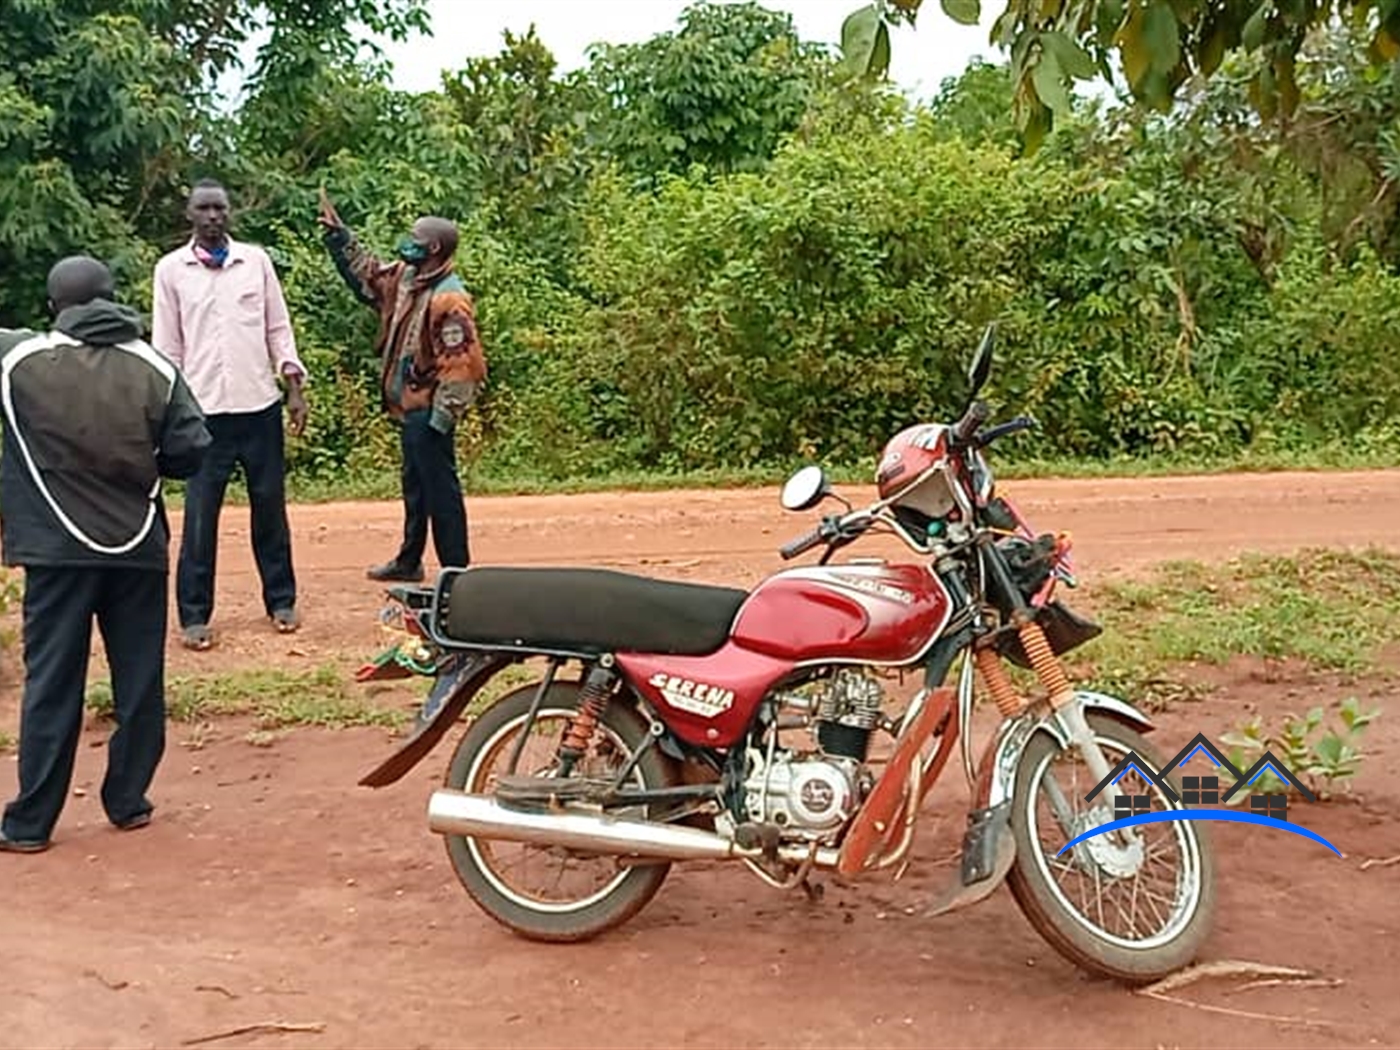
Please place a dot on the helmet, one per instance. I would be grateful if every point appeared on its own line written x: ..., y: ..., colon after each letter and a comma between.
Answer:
x: 913, y: 472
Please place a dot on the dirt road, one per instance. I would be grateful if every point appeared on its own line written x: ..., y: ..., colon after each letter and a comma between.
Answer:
x: 271, y: 888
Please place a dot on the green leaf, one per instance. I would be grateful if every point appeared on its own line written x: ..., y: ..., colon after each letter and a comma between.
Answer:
x: 1162, y: 36
x: 1314, y: 720
x: 1386, y: 45
x: 1072, y: 58
x: 1329, y: 748
x: 859, y: 36
x: 1048, y: 79
x: 880, y: 57
x: 1035, y: 122
x: 964, y: 12
x: 1252, y: 35
x: 1212, y: 50
x: 1137, y: 58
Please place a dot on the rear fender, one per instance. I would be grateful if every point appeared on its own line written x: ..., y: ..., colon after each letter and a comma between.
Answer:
x: 456, y: 685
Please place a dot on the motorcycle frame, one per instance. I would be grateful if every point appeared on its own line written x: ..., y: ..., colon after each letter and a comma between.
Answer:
x: 990, y: 779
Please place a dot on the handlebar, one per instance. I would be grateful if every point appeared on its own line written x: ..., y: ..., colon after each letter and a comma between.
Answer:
x: 965, y: 429
x: 836, y: 530
x: 1001, y: 430
x: 803, y: 544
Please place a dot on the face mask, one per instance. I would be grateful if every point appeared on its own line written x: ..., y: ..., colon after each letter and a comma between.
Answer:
x: 411, y: 252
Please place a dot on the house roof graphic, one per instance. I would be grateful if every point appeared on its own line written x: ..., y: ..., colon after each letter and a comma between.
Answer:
x: 1268, y: 761
x: 1132, y: 761
x: 1200, y: 743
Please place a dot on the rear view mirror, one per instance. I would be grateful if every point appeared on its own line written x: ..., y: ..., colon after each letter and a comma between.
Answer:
x: 981, y: 366
x: 805, y: 489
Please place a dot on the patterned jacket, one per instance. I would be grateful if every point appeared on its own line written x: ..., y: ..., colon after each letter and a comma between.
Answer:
x: 429, y: 347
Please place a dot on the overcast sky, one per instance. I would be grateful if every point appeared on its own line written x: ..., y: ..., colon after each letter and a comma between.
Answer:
x: 463, y: 28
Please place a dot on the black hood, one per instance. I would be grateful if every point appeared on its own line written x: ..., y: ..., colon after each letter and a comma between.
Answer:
x: 100, y: 323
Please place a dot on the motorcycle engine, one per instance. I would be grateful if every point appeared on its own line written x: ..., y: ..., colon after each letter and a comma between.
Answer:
x: 809, y: 797
x: 812, y: 795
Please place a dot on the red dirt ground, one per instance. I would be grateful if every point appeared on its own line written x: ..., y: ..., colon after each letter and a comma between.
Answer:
x: 271, y: 888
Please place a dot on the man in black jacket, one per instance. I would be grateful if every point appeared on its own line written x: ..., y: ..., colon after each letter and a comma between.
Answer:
x: 93, y: 418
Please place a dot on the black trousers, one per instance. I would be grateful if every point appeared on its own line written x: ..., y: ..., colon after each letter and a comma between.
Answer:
x: 254, y: 440
x: 432, y: 493
x: 59, y: 607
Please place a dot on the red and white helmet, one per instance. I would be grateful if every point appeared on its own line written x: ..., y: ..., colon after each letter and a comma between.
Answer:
x: 913, y: 471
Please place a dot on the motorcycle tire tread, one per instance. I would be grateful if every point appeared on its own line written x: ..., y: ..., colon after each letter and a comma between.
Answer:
x: 1026, y: 882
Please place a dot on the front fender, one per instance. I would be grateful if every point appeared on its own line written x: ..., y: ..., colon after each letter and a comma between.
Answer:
x: 453, y: 690
x: 989, y: 849
x: 998, y: 775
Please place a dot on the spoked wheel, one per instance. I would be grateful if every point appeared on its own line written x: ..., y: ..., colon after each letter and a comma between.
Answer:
x: 542, y: 892
x: 1133, y: 905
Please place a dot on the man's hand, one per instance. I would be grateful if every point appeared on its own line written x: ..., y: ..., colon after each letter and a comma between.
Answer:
x: 328, y: 216
x: 297, y: 409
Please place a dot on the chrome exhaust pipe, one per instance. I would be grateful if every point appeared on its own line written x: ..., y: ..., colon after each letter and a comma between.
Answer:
x: 481, y: 816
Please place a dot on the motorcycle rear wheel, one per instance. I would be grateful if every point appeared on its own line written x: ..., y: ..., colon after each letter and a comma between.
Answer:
x: 480, y: 864
x: 1063, y: 896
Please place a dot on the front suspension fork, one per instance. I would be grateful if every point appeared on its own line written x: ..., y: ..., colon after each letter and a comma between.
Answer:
x: 1053, y: 679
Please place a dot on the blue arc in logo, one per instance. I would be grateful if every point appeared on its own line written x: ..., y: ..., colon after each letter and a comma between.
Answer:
x: 1200, y: 814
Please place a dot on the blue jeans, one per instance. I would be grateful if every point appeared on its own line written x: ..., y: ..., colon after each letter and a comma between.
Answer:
x: 253, y: 440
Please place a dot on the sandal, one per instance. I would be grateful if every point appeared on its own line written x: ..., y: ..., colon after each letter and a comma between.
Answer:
x: 286, y: 620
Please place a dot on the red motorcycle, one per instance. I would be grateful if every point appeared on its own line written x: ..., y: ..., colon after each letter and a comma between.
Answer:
x: 710, y: 723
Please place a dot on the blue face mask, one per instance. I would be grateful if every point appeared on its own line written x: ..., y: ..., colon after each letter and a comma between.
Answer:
x: 411, y: 252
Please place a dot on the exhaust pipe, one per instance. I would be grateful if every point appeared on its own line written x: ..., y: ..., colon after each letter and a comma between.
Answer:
x: 480, y: 816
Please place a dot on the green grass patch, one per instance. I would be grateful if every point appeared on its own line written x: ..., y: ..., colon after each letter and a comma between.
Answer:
x: 325, y: 697
x: 1333, y: 611
x: 7, y: 742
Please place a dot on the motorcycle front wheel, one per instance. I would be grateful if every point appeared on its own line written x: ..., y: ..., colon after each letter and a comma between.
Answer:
x: 549, y: 893
x: 1133, y: 905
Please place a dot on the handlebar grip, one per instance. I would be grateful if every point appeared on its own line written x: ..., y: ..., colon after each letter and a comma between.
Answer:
x: 1001, y: 430
x: 966, y: 428
x: 802, y: 544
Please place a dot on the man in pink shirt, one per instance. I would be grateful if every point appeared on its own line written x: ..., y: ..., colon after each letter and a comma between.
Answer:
x: 219, y: 314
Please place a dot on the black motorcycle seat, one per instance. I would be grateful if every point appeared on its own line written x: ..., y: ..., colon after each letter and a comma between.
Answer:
x: 587, y: 610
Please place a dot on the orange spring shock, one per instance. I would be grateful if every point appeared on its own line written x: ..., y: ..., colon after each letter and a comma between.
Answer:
x: 597, y: 688
x: 1047, y: 665
x: 989, y: 666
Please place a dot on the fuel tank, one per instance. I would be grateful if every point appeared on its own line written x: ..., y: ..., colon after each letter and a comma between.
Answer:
x: 859, y: 613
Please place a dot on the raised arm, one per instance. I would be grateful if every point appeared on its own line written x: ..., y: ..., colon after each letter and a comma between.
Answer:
x: 368, y: 277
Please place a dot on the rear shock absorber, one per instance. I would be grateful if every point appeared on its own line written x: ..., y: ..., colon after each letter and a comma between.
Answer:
x: 593, y: 701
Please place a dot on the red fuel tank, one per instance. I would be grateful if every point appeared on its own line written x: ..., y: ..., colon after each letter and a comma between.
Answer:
x: 861, y: 613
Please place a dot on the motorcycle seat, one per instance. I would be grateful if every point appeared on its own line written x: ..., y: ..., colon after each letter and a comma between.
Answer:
x: 586, y: 610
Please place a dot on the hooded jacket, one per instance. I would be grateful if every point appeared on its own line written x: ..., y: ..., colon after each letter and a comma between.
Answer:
x: 93, y: 419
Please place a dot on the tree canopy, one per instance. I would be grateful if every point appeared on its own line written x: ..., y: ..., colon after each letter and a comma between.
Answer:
x: 718, y: 249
